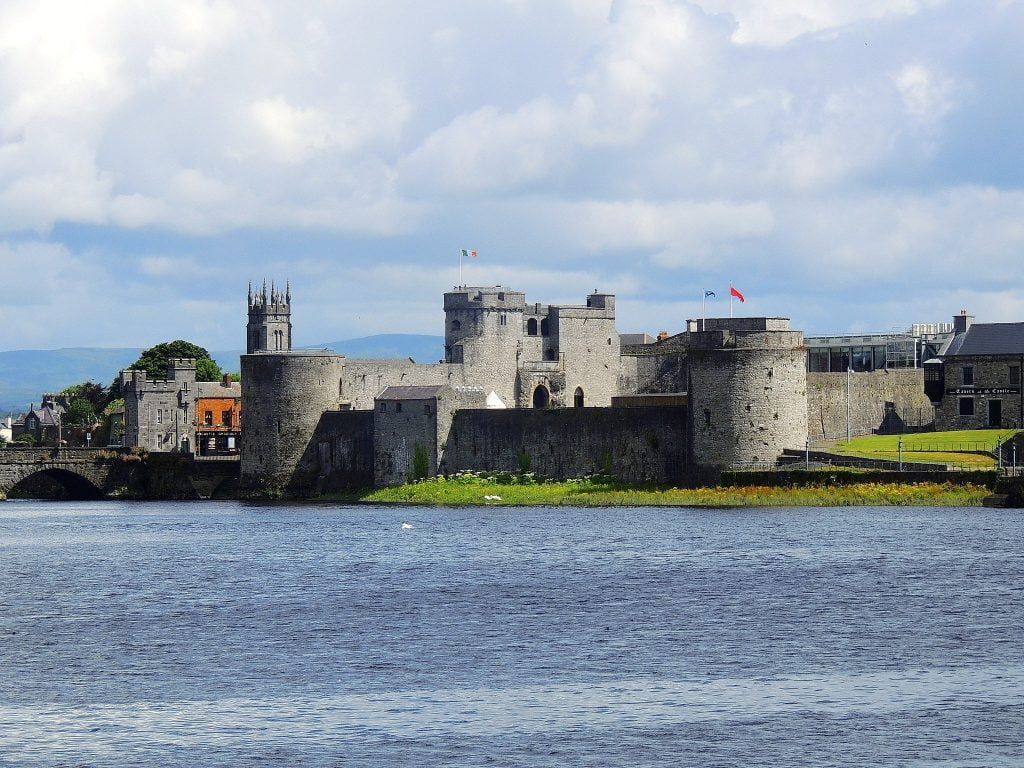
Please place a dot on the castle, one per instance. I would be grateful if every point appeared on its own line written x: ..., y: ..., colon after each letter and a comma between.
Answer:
x: 549, y: 388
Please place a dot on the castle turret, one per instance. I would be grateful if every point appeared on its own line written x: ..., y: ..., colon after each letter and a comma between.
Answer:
x: 270, y: 320
x: 747, y: 392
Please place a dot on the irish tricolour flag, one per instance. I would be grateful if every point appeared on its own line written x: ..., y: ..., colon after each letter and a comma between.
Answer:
x: 468, y: 254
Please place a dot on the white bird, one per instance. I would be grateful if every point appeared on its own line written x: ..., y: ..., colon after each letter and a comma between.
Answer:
x: 406, y: 525
x: 492, y: 498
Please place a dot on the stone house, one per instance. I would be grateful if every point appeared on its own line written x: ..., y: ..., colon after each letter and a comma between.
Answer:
x: 975, y: 382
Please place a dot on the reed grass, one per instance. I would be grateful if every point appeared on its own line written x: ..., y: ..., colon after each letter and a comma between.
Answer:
x: 478, y: 490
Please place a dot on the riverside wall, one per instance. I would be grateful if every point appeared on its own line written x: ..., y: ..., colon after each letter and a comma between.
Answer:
x: 644, y: 444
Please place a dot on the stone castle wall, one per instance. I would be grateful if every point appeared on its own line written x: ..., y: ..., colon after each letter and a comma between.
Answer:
x: 632, y: 444
x: 870, y: 391
x: 363, y: 380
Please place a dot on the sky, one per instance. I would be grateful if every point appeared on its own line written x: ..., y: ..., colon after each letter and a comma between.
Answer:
x: 854, y: 165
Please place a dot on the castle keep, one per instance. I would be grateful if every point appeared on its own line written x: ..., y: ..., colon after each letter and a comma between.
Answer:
x: 523, y: 386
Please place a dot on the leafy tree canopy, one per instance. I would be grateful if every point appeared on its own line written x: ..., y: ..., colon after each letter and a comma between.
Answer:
x: 81, y: 413
x: 155, y: 359
x: 113, y: 405
x: 95, y: 394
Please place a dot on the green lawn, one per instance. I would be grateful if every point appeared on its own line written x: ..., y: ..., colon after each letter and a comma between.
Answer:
x: 948, y: 447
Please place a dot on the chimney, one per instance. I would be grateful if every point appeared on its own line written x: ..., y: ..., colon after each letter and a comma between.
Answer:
x: 227, y: 380
x: 662, y: 335
x: 962, y: 322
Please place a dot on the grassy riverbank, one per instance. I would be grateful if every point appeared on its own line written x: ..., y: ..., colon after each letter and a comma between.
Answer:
x: 591, y: 492
x: 953, y: 448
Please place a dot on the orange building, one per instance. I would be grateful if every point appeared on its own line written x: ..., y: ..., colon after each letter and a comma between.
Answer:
x: 218, y: 417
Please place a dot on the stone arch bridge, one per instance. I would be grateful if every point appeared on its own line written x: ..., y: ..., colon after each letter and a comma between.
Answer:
x: 92, y: 473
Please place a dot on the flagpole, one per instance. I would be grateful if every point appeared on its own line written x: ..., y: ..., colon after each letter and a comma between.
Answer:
x: 703, y: 311
x: 730, y: 301
x: 460, y: 267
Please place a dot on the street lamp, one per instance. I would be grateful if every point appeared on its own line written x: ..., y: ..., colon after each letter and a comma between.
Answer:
x: 849, y: 376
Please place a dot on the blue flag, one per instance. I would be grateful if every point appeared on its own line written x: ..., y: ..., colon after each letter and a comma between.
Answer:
x: 708, y: 293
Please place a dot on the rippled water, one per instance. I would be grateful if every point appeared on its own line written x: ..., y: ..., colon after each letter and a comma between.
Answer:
x: 227, y: 634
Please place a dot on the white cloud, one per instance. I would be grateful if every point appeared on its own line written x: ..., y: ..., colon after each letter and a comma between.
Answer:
x: 926, y: 96
x: 572, y: 141
x: 765, y: 23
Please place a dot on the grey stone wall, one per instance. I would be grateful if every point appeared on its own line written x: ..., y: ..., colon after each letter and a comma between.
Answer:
x: 748, y: 397
x: 589, y: 346
x: 653, y: 368
x: 340, y: 455
x: 283, y: 398
x: 632, y: 444
x: 365, y: 379
x: 989, y: 372
x: 870, y: 391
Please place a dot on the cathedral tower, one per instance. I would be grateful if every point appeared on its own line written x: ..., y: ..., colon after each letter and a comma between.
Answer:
x: 270, y: 320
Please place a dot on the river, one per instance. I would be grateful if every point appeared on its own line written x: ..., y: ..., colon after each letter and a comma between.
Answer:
x: 209, y: 633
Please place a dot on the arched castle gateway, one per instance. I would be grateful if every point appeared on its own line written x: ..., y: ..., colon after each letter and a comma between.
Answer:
x: 522, y: 385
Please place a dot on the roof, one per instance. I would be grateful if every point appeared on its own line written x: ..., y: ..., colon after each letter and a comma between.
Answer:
x: 635, y: 338
x: 411, y: 393
x: 988, y: 339
x: 217, y: 389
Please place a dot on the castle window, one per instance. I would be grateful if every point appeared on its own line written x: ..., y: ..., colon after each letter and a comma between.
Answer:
x: 159, y: 415
x: 531, y: 327
x: 501, y: 296
x: 383, y: 407
x: 398, y: 407
x: 966, y: 406
x: 969, y: 377
x: 1014, y: 375
x: 456, y: 325
x: 502, y: 319
x: 207, y: 418
x: 544, y: 327
x: 577, y: 398
x: 549, y: 354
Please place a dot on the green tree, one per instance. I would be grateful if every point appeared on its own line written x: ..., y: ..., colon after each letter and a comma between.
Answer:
x: 155, y: 359
x: 95, y: 394
x: 81, y: 413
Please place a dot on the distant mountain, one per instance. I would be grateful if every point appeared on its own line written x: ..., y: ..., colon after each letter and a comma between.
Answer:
x: 421, y: 348
x: 26, y: 374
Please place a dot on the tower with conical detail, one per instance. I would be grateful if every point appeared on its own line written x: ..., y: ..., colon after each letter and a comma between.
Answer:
x: 270, y: 320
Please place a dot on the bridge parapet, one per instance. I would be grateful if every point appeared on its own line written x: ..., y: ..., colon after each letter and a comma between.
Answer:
x: 120, y: 473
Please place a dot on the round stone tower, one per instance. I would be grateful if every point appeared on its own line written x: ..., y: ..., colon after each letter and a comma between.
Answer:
x: 283, y: 397
x: 747, y: 392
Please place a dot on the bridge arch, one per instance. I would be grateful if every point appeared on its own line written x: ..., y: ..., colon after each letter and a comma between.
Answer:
x: 50, y: 483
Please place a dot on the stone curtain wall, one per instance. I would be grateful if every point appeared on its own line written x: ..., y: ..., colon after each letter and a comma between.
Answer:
x: 365, y: 379
x: 869, y: 393
x: 645, y: 368
x: 340, y: 455
x: 631, y: 444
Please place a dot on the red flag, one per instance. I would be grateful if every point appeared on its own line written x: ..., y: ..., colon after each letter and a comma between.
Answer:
x: 737, y: 294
